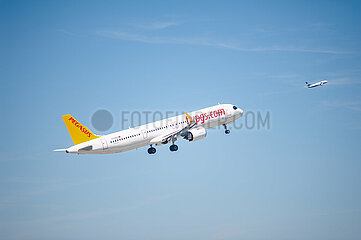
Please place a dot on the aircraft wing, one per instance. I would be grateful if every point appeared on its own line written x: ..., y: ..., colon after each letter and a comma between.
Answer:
x: 174, y: 135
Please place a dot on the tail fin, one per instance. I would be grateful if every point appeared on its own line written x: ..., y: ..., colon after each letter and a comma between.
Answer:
x: 308, y: 84
x: 78, y: 132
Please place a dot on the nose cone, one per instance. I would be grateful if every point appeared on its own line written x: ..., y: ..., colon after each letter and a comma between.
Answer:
x: 240, y: 112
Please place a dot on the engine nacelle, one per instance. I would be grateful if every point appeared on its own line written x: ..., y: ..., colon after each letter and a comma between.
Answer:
x: 196, y: 134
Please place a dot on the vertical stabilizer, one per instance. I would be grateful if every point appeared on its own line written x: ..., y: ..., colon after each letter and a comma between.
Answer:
x: 78, y: 132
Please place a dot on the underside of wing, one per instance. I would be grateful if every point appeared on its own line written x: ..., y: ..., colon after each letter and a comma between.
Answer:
x: 172, y: 136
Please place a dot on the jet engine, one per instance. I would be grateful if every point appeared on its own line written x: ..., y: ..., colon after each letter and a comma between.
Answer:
x: 196, y: 134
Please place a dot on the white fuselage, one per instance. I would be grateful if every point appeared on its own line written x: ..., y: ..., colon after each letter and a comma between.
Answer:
x: 150, y: 133
x: 317, y: 84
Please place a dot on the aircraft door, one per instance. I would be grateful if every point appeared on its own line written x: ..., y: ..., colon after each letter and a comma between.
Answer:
x: 144, y: 134
x: 104, y: 143
x: 228, y: 112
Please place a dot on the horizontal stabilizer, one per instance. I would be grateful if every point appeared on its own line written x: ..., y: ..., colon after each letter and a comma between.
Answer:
x: 59, y: 150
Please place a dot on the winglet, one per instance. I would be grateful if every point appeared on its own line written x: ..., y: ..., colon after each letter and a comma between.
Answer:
x: 190, y: 119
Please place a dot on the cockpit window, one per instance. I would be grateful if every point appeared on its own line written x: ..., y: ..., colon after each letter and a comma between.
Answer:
x: 234, y: 107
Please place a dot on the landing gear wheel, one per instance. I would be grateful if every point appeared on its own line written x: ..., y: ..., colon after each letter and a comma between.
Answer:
x: 225, y: 127
x: 173, y: 148
x: 151, y: 150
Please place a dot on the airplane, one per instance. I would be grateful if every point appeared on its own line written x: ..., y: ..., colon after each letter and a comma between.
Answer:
x: 321, y: 83
x: 191, y: 127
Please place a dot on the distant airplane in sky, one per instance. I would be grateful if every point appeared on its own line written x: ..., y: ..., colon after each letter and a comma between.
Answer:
x: 191, y: 127
x: 321, y: 83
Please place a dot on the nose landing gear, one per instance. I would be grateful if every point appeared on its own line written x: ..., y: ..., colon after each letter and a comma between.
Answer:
x: 226, y: 130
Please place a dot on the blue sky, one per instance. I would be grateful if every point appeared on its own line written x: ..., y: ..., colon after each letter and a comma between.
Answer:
x: 300, y: 179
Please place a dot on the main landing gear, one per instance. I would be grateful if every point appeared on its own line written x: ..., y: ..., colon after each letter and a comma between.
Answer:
x: 151, y: 150
x: 226, y: 130
x: 173, y: 147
